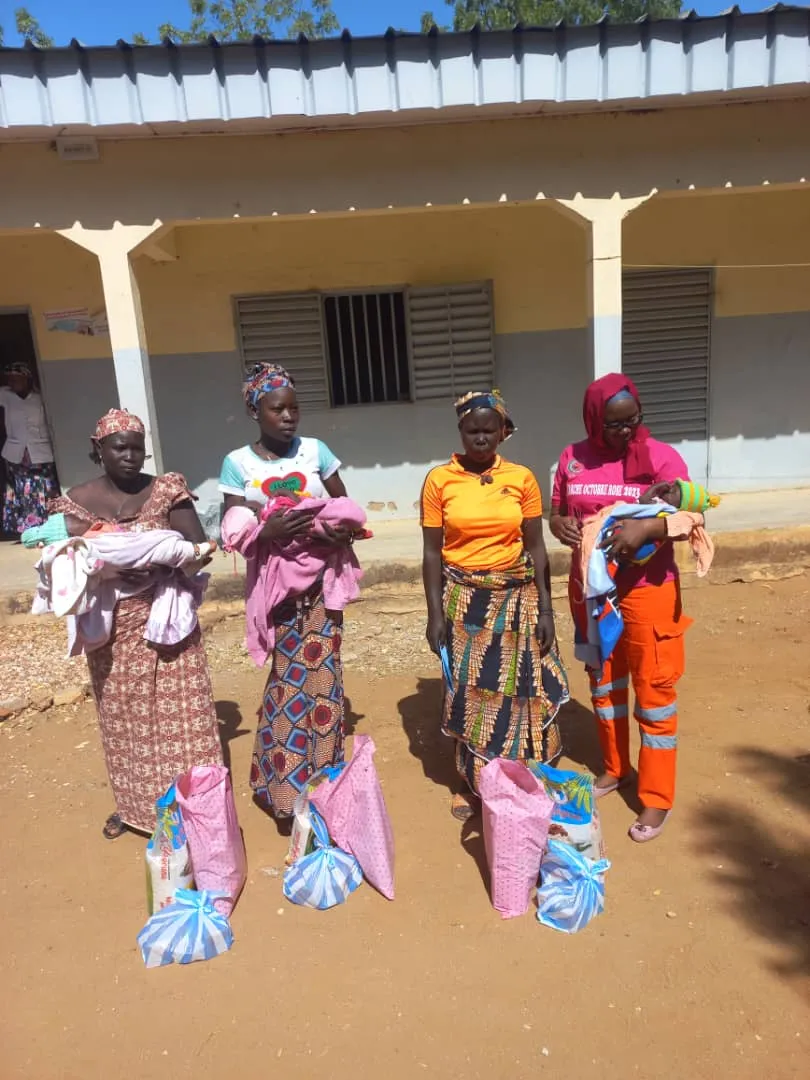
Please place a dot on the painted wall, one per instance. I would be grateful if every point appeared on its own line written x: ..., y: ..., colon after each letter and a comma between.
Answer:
x: 44, y: 272
x: 534, y: 256
x: 217, y: 178
x: 759, y: 423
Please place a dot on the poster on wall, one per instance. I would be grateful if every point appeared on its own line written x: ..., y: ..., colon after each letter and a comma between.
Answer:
x: 78, y: 321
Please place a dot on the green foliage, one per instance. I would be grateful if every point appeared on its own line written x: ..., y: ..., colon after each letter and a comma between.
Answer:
x: 29, y: 29
x: 504, y: 14
x: 240, y: 20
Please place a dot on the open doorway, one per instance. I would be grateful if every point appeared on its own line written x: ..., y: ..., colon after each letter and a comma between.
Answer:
x: 30, y: 422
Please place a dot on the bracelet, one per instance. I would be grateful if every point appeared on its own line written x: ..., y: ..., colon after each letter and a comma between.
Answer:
x: 547, y: 611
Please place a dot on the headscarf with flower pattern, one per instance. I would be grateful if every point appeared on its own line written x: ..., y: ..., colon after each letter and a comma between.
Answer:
x: 117, y: 420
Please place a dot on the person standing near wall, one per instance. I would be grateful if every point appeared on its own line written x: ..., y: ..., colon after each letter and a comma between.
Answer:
x: 488, y: 592
x: 616, y: 463
x: 31, y: 479
x: 301, y: 719
x: 155, y: 702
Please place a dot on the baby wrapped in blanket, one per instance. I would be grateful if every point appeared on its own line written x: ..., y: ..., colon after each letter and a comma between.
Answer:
x: 277, y: 572
x: 83, y: 577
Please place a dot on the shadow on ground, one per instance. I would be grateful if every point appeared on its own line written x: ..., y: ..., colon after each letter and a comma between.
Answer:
x: 766, y: 875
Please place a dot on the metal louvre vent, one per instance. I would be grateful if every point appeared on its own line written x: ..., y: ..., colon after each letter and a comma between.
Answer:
x: 287, y: 329
x: 451, y: 340
x: 666, y: 334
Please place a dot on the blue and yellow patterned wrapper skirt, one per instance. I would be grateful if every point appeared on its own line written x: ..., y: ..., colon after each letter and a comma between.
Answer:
x: 505, y: 695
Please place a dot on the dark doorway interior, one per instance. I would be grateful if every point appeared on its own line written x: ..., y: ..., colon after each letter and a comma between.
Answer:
x: 16, y: 344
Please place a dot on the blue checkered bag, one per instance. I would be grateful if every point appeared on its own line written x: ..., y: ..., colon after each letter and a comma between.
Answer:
x: 189, y: 929
x: 572, y: 888
x: 324, y: 878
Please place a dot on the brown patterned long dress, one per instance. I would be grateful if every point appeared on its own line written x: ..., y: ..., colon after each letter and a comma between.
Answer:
x: 155, y: 703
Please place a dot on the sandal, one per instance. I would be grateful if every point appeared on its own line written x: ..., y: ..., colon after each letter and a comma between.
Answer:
x: 642, y: 834
x: 620, y: 781
x: 113, y: 827
x: 464, y: 807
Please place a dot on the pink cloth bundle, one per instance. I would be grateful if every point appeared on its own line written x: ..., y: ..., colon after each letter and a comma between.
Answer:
x: 80, y: 579
x: 353, y: 807
x: 205, y: 798
x: 517, y: 816
x: 277, y: 572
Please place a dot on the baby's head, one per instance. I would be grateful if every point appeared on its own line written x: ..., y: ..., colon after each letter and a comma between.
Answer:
x: 684, y: 495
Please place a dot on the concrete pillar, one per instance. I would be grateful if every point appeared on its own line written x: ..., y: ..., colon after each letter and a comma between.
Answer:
x: 113, y: 248
x: 605, y: 217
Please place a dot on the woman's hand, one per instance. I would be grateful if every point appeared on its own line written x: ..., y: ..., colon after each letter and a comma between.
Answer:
x: 630, y: 535
x: 546, y: 632
x: 283, y: 526
x: 567, y: 530
x: 336, y: 535
x: 436, y: 633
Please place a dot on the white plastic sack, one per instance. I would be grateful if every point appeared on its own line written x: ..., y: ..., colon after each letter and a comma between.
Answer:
x: 168, y: 862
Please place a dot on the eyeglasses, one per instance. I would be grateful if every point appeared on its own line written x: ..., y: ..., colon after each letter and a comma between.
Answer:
x: 620, y: 425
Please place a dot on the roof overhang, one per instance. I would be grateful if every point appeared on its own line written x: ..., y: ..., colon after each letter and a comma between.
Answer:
x: 213, y: 88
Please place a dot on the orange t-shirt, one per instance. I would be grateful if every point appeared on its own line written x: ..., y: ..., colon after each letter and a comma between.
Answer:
x: 482, y: 522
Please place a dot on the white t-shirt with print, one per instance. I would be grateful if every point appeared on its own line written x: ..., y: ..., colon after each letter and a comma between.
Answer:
x: 303, y: 470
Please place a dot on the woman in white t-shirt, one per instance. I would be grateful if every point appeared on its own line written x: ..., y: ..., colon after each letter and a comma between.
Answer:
x: 27, y: 453
x: 301, y: 720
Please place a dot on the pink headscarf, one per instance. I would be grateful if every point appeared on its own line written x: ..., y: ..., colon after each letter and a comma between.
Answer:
x: 117, y: 420
x: 638, y: 464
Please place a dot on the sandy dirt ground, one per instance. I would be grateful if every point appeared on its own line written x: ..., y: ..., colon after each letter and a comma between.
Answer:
x: 699, y: 968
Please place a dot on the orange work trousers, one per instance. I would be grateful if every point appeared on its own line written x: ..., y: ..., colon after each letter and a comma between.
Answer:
x: 650, y: 652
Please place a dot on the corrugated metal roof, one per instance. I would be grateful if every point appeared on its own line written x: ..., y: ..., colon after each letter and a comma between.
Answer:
x: 324, y: 81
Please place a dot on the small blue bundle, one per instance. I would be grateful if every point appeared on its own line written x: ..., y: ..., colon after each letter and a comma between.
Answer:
x: 572, y: 890
x: 324, y: 878
x: 189, y: 929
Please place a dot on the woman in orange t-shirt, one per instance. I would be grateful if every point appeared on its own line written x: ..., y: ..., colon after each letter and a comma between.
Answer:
x: 486, y: 577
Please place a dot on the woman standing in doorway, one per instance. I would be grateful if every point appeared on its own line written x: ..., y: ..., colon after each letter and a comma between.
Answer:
x: 27, y: 453
x: 488, y: 593
x: 301, y: 721
x: 155, y: 703
x: 616, y: 463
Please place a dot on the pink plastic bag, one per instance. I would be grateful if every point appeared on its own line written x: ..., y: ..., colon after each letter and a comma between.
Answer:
x: 205, y: 798
x: 354, y: 810
x: 517, y: 815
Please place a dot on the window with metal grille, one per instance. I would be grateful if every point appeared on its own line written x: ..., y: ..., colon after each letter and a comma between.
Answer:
x: 666, y: 339
x: 367, y: 348
x: 413, y: 344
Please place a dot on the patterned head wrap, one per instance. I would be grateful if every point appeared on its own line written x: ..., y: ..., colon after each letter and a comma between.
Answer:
x: 263, y: 379
x: 477, y: 399
x: 115, y: 421
x: 19, y: 368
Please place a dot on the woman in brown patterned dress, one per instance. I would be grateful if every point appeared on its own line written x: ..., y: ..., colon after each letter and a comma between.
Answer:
x: 155, y: 703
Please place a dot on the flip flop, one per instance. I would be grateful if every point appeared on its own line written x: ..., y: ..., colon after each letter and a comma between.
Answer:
x: 113, y: 827
x: 642, y: 834
x: 462, y: 807
x: 600, y: 792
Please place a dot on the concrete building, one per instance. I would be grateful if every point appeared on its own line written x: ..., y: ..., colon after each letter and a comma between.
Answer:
x: 402, y: 218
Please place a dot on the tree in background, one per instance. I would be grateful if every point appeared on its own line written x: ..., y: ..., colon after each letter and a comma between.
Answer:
x: 29, y: 29
x: 504, y: 14
x: 227, y: 20
x: 240, y: 20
